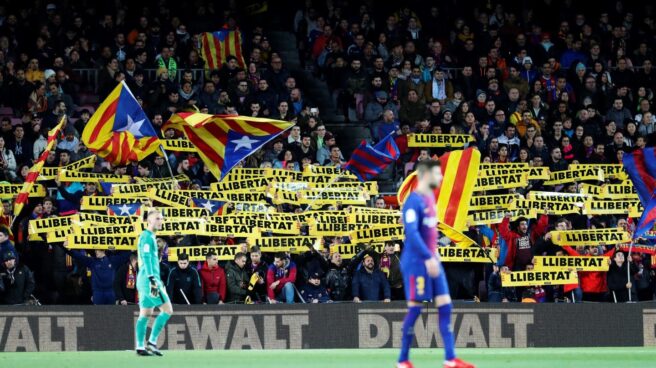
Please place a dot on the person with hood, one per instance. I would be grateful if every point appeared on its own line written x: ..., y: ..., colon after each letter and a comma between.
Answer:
x: 125, y: 282
x: 237, y: 279
x: 213, y: 280
x: 183, y: 284
x: 314, y: 291
x: 619, y: 279
x: 257, y: 270
x: 369, y: 283
x: 280, y: 279
x: 103, y: 269
x: 16, y: 280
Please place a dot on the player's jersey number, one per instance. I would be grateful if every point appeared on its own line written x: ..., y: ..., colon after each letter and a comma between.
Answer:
x: 420, y: 284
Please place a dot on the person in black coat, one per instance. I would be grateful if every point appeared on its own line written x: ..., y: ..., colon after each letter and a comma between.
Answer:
x: 184, y: 279
x: 257, y: 266
x: 125, y: 282
x: 370, y: 283
x: 619, y: 285
x: 16, y: 281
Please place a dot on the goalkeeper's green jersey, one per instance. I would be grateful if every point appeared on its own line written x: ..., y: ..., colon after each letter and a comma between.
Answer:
x: 148, y: 257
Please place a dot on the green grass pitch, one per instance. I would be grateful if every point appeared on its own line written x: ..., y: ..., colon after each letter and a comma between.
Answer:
x: 364, y: 358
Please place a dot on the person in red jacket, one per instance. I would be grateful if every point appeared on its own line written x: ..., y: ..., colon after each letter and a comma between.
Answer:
x: 213, y: 279
x: 520, y: 243
x: 593, y: 283
x: 281, y: 277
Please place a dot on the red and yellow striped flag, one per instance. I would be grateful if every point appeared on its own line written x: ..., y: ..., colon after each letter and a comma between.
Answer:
x: 215, y: 47
x: 460, y: 170
x: 223, y: 141
x: 35, y: 170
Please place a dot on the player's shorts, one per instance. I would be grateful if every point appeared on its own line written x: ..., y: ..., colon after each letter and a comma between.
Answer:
x: 147, y: 301
x: 419, y: 287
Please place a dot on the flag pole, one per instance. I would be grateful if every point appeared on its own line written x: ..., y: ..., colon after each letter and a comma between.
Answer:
x: 628, y: 269
x: 166, y: 158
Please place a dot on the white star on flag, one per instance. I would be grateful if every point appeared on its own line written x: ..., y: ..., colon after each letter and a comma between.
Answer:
x: 208, y: 206
x: 125, y: 210
x: 243, y: 142
x: 133, y: 127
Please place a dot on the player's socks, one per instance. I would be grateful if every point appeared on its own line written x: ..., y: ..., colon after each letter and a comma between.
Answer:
x: 446, y: 331
x: 140, y: 331
x: 408, y: 331
x: 159, y: 324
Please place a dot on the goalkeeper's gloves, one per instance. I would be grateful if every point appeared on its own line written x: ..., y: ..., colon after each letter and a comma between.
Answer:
x: 154, y: 288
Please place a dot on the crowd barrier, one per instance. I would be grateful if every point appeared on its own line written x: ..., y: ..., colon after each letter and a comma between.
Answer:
x: 329, y: 326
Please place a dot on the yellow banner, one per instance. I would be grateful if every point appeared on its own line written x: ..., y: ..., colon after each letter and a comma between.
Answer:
x: 439, y: 140
x: 177, y: 212
x: 374, y: 218
x: 100, y: 203
x: 371, y: 187
x: 285, y: 244
x: 625, y: 190
x: 104, y: 230
x: 538, y: 278
x: 501, y: 182
x: 199, y: 252
x: 467, y: 255
x: 96, y: 219
x: 558, y: 197
x: 590, y: 237
x: 50, y: 173
x: 321, y: 170
x: 633, y: 208
x: 276, y: 227
x: 212, y: 229
x: 57, y: 236
x: 169, y: 197
x: 178, y: 145
x: 599, y: 263
x: 546, y: 207
x: 9, y: 191
x: 610, y: 170
x: 333, y: 229
x: 534, y: 173
x: 491, y: 202
x: 348, y: 251
x: 322, y: 197
x: 248, y: 185
x: 495, y: 217
x: 377, y: 234
x: 253, y: 207
x: 44, y: 225
x: 591, y: 190
x: 569, y: 176
x: 67, y: 176
x: 329, y: 217
x: 505, y: 166
x: 182, y: 178
x: 113, y: 242
x: 140, y: 189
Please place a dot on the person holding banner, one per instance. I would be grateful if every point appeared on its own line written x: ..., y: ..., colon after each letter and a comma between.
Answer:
x: 423, y: 276
x: 152, y: 293
x: 619, y: 286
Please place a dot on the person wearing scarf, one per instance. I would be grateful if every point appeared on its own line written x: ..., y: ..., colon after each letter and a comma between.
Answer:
x: 125, y: 282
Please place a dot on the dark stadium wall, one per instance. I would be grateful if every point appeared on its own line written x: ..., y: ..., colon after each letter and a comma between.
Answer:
x: 89, y: 328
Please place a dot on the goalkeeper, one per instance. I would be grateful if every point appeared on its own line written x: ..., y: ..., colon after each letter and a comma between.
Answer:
x: 152, y: 292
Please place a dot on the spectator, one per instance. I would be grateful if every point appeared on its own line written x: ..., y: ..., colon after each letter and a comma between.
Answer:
x: 213, y: 280
x: 370, y: 283
x: 619, y: 285
x: 6, y: 246
x: 183, y: 284
x: 125, y: 282
x: 314, y: 291
x: 390, y: 264
x: 257, y: 270
x: 618, y: 113
x: 237, y: 279
x: 16, y: 281
x: 103, y: 269
x: 412, y: 110
x: 280, y: 279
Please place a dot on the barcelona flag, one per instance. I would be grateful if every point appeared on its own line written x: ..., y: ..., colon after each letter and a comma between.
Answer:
x: 119, y: 131
x: 460, y: 170
x: 641, y: 167
x: 224, y: 140
x: 215, y: 47
x: 213, y: 207
x: 367, y: 162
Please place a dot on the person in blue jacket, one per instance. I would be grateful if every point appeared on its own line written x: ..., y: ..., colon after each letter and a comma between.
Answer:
x: 103, y: 268
x: 370, y: 283
x: 6, y: 244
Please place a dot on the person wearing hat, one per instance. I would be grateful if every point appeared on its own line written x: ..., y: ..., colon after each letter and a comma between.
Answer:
x: 314, y: 291
x: 370, y: 283
x: 16, y: 282
x: 373, y: 113
x: 528, y: 73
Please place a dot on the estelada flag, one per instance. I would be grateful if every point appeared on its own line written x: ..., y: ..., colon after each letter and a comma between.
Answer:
x: 216, y: 47
x: 212, y: 206
x: 125, y: 209
x: 459, y: 171
x: 119, y: 131
x: 223, y: 141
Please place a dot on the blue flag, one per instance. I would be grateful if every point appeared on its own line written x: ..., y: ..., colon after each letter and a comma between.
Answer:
x: 125, y: 209
x: 368, y: 161
x: 213, y: 207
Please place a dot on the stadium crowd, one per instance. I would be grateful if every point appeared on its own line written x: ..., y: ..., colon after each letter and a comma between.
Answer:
x: 550, y: 85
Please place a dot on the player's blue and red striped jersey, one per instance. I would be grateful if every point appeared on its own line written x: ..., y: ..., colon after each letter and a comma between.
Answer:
x: 420, y: 226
